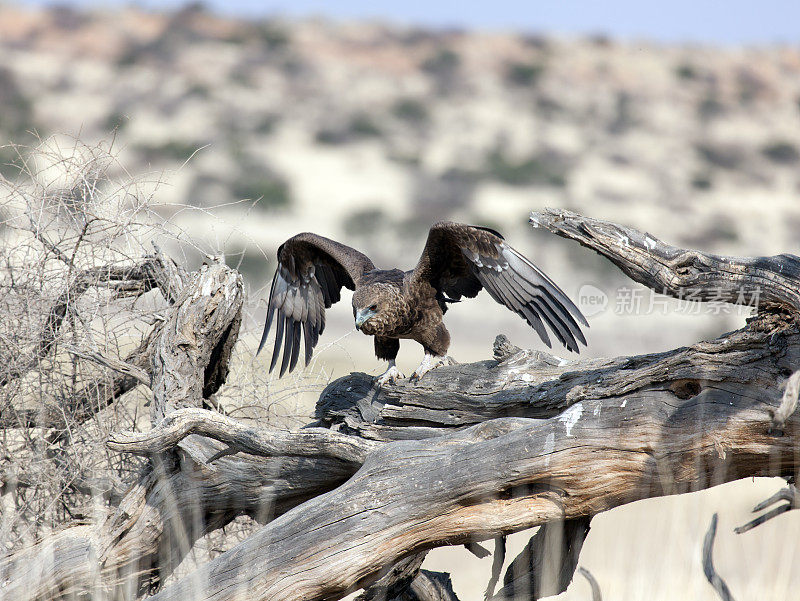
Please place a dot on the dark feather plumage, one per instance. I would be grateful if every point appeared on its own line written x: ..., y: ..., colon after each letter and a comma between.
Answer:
x: 460, y: 259
x: 310, y: 275
x: 457, y: 261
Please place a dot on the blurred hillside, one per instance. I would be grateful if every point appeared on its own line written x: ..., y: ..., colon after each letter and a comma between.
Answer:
x: 369, y: 133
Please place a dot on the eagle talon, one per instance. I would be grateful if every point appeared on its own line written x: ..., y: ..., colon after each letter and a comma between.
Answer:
x: 430, y: 362
x: 389, y: 376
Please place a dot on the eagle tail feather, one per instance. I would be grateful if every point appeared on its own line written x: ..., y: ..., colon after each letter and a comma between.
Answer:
x: 287, y: 346
x: 278, y: 342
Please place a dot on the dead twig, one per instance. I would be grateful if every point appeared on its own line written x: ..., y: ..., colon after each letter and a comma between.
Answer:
x: 477, y: 550
x: 596, y: 594
x: 708, y: 563
x: 122, y: 367
x: 788, y: 494
x: 497, y: 565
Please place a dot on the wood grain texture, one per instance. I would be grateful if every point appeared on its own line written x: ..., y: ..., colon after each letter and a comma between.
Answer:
x: 634, y: 428
x: 190, y: 359
x: 471, y: 452
x: 678, y: 272
x: 477, y: 451
x: 533, y: 384
x: 308, y: 442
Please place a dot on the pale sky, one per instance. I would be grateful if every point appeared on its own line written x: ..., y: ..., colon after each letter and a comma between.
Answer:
x: 727, y: 22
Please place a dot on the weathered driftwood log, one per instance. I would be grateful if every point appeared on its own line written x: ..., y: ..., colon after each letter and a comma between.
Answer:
x: 470, y: 453
x: 695, y: 458
x: 536, y: 384
x: 476, y: 451
x: 502, y: 476
x: 682, y: 273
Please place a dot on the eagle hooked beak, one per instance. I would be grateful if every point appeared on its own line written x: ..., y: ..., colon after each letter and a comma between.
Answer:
x: 362, y: 316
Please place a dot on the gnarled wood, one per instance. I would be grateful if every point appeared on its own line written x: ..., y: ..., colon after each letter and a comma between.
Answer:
x: 128, y: 546
x: 535, y: 384
x: 177, y: 425
x: 190, y: 359
x: 471, y: 452
x: 570, y: 439
x: 639, y: 432
x: 678, y: 272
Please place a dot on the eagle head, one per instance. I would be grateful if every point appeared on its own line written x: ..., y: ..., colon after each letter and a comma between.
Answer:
x: 370, y: 307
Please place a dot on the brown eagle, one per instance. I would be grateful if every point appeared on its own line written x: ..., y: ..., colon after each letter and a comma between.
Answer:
x: 458, y: 261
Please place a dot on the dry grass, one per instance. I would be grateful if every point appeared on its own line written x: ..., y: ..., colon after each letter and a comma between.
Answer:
x: 71, y: 218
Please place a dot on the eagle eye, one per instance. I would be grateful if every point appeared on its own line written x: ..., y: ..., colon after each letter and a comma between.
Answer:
x: 373, y: 308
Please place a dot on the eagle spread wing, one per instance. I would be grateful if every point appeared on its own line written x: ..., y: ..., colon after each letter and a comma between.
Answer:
x: 459, y: 260
x: 309, y: 279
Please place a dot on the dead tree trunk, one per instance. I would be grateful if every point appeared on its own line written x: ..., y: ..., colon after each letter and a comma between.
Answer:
x: 471, y: 452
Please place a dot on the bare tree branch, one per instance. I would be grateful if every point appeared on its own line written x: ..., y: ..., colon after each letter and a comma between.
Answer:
x: 429, y: 586
x: 497, y: 565
x: 131, y: 280
x: 123, y: 367
x: 93, y: 397
x: 166, y: 275
x: 686, y: 274
x: 309, y: 442
x: 788, y: 494
x: 477, y: 550
x: 596, y: 594
x: 396, y: 582
x: 708, y: 563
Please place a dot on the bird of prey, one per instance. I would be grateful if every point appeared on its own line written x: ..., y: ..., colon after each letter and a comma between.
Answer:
x: 458, y: 261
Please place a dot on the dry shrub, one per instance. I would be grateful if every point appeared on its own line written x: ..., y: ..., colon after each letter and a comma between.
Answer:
x: 75, y: 231
x: 66, y: 225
